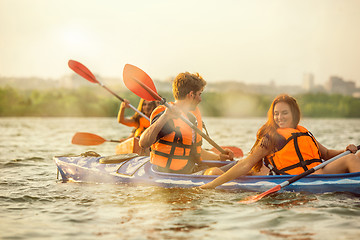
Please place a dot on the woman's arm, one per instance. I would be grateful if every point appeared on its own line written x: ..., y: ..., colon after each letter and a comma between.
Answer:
x: 121, y: 118
x: 241, y: 168
x: 330, y: 153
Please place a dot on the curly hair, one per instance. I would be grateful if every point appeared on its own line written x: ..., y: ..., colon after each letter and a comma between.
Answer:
x: 185, y: 83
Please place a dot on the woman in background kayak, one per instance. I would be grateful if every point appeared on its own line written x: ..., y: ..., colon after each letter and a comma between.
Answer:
x: 138, y: 122
x: 284, y: 147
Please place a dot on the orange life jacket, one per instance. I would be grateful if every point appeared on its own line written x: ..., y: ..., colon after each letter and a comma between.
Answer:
x: 176, y: 150
x: 299, y: 154
x: 143, y: 124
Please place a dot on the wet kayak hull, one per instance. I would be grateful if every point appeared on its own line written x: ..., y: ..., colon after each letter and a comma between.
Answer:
x: 138, y: 170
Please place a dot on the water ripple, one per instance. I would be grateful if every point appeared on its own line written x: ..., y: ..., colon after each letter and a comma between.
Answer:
x: 31, y: 197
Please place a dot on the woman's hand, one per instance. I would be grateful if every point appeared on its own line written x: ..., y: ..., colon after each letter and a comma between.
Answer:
x: 125, y: 104
x: 352, y: 148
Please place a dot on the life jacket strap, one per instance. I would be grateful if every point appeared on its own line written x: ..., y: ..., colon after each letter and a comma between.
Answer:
x: 176, y: 144
x: 273, y: 168
x: 177, y: 139
x: 168, y: 155
x: 301, y: 164
x: 191, y: 156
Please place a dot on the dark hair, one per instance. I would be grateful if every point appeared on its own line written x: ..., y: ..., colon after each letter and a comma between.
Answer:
x: 137, y: 116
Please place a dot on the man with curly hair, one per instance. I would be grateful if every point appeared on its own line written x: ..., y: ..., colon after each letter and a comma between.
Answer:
x: 175, y: 146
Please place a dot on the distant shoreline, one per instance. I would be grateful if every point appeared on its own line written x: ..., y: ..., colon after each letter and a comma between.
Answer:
x: 88, y: 102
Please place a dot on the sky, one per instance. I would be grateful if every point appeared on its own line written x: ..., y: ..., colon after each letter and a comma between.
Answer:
x: 255, y: 41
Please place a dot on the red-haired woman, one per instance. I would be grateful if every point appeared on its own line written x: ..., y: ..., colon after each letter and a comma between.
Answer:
x: 285, y: 147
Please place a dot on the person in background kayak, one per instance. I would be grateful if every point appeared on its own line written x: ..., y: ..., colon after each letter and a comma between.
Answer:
x: 138, y: 122
x: 284, y: 147
x: 175, y: 146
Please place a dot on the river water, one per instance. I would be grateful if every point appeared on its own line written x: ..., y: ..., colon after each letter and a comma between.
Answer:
x: 35, y: 205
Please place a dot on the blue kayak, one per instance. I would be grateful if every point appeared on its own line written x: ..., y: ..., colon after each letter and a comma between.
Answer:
x: 138, y: 170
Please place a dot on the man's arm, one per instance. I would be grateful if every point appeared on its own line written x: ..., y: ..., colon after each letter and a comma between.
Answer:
x: 209, y: 155
x: 150, y: 135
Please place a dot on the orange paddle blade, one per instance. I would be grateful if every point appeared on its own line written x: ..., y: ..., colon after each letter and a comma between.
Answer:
x: 238, y: 153
x: 260, y: 196
x: 82, y: 71
x: 137, y: 81
x: 87, y: 139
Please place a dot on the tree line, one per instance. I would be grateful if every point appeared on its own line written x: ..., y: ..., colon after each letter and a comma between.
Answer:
x: 88, y: 102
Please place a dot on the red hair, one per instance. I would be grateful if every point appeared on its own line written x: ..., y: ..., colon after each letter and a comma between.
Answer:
x: 270, y: 127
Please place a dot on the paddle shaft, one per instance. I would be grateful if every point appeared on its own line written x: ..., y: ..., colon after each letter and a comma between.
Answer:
x: 84, y: 72
x: 312, y: 170
x: 121, y: 99
x: 206, y: 137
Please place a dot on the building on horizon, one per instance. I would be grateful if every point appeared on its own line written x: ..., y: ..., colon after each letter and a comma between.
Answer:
x: 336, y: 85
x: 309, y: 86
x: 308, y: 82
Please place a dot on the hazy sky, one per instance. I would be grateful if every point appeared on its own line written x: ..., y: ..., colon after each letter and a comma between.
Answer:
x: 253, y: 41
